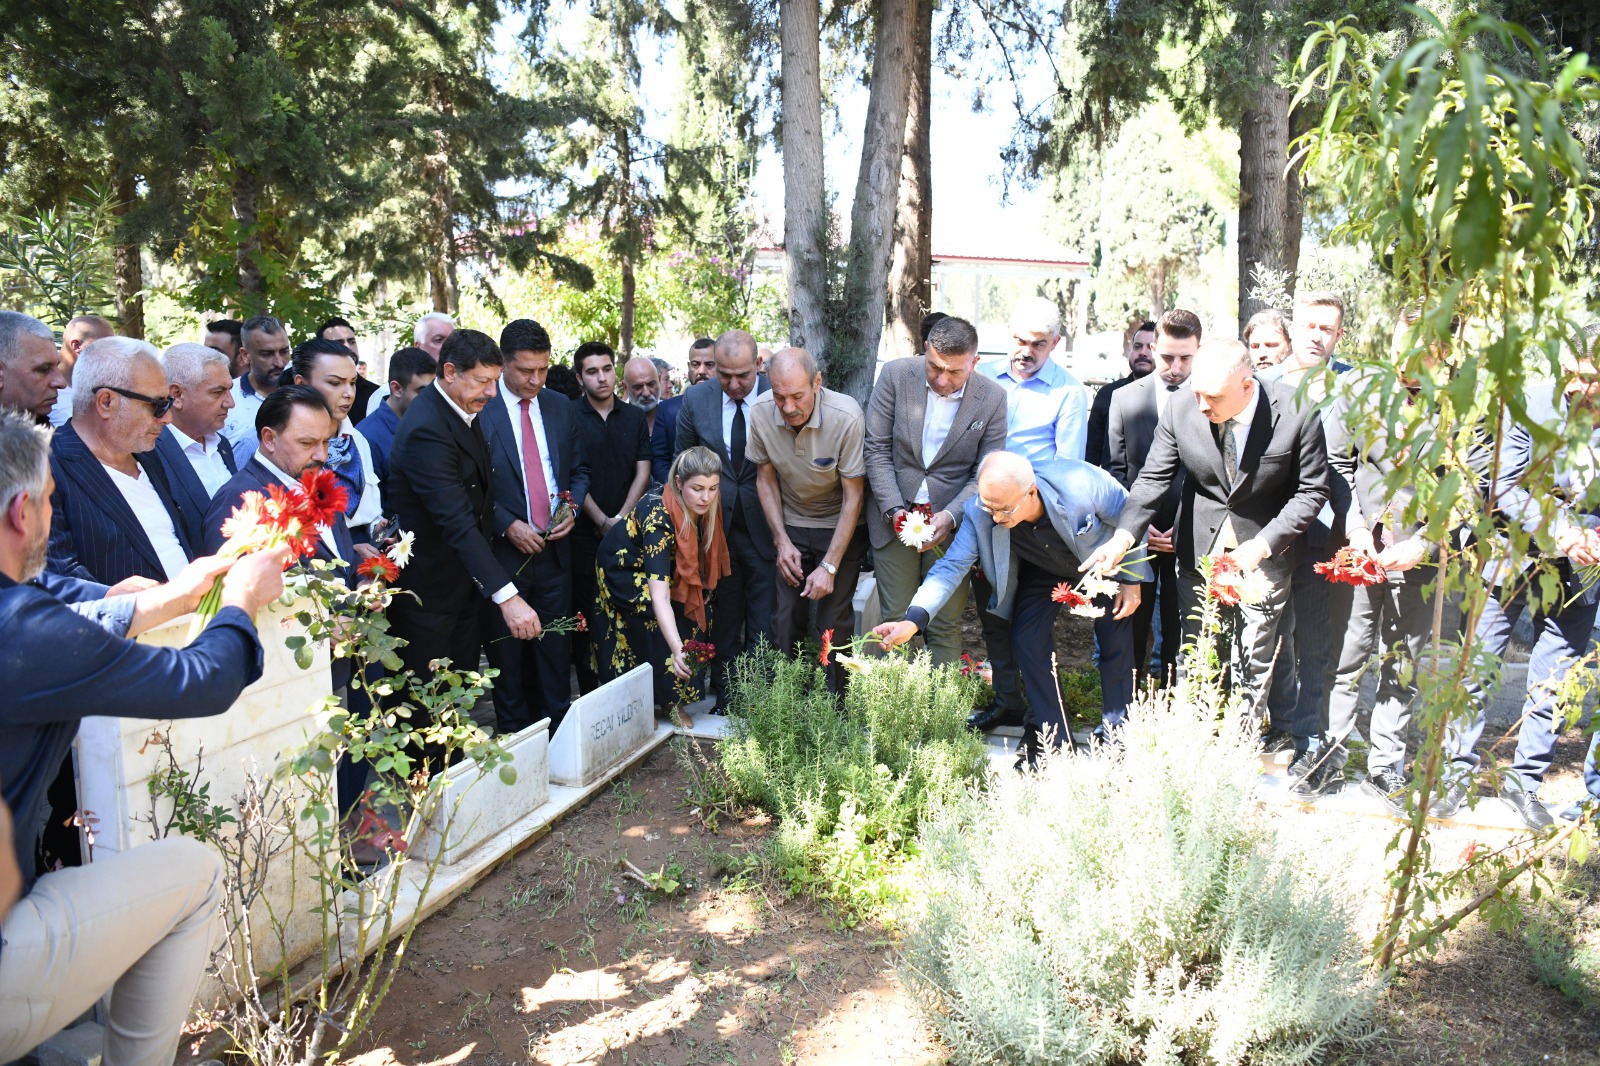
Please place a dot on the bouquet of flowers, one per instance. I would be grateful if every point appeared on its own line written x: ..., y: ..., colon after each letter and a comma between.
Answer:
x: 697, y: 653
x: 283, y: 516
x: 1230, y: 585
x: 1076, y: 601
x: 915, y: 527
x: 1351, y: 567
x: 560, y: 510
x: 576, y: 624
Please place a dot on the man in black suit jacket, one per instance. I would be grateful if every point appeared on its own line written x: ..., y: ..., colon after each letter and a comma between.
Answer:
x: 1256, y: 474
x: 715, y: 414
x: 533, y: 441
x: 664, y: 437
x: 1141, y: 361
x: 1133, y: 415
x: 197, y: 459
x: 442, y: 491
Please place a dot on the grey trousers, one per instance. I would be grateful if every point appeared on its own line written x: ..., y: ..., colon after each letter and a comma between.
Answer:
x: 141, y: 924
x: 899, y: 571
x: 1249, y: 637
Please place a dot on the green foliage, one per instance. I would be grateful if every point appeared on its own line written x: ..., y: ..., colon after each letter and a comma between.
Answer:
x: 848, y: 781
x: 1080, y: 696
x: 57, y: 263
x: 1123, y: 909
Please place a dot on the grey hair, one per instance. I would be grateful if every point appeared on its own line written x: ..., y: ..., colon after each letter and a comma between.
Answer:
x: 420, y: 332
x: 1225, y: 355
x: 13, y: 327
x: 107, y: 364
x: 24, y: 455
x: 259, y: 324
x: 1036, y: 314
x: 186, y: 363
x: 1008, y: 468
x: 799, y: 356
x: 661, y: 364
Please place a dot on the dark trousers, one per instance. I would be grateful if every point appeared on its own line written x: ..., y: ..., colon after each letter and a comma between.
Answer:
x: 1009, y: 699
x: 535, y: 675
x: 431, y: 635
x: 350, y: 777
x: 1033, y: 621
x: 744, y: 604
x: 1312, y: 632
x: 1163, y: 590
x: 585, y: 597
x: 1247, y: 643
x: 793, y: 617
x: 1562, y: 639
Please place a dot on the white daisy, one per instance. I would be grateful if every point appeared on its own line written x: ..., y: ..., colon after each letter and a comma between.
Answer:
x: 400, y: 550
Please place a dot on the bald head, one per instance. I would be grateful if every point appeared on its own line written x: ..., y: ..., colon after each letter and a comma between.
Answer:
x: 795, y: 381
x: 793, y: 361
x: 81, y: 331
x: 1008, y: 489
x: 1006, y: 470
x: 736, y: 364
x: 1223, y: 379
x: 641, y: 383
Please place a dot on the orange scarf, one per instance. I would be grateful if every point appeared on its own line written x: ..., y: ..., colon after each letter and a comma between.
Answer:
x: 691, y: 581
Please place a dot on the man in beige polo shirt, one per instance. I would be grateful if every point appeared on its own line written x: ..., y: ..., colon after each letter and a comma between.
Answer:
x: 806, y: 442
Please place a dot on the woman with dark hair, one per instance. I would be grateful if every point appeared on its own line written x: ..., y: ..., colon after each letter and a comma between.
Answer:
x: 1267, y: 336
x: 657, y: 570
x: 330, y: 368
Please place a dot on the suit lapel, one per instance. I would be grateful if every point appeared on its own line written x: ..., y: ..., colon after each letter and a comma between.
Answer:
x: 225, y: 446
x: 958, y: 425
x: 1262, y: 427
x: 917, y: 408
x: 176, y: 464
x: 99, y: 487
x: 554, y: 434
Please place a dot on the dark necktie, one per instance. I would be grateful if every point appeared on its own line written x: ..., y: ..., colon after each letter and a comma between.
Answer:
x: 1230, y: 454
x: 736, y: 440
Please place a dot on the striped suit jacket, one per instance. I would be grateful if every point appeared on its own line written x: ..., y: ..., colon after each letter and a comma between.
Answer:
x: 94, y: 534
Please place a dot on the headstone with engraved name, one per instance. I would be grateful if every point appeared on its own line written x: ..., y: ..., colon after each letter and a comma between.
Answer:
x: 603, y: 729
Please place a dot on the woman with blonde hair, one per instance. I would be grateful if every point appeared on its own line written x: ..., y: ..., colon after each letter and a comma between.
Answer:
x: 658, y: 569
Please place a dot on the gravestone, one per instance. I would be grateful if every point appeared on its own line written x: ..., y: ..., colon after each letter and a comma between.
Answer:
x: 478, y: 806
x: 603, y: 729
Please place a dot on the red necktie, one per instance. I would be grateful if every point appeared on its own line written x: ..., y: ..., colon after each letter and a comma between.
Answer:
x: 533, y: 474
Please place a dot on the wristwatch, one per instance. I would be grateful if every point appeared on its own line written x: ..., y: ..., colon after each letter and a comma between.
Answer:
x: 833, y: 571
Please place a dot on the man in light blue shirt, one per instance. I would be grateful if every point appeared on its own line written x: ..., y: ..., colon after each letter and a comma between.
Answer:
x: 1047, y: 418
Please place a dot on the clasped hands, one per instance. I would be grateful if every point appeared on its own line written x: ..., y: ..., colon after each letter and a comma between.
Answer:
x: 530, y: 541
x: 791, y: 568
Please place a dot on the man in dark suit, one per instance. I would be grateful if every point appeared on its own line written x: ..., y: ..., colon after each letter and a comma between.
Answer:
x: 115, y: 514
x: 1141, y: 361
x: 664, y: 435
x: 539, y: 476
x: 1131, y: 423
x: 1255, y: 471
x: 163, y: 897
x: 442, y: 491
x: 716, y: 414
x: 195, y: 456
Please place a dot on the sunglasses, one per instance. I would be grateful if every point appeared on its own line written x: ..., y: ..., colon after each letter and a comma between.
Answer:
x: 159, y: 405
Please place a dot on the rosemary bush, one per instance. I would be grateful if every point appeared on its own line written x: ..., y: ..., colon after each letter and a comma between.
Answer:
x: 1132, y: 907
x: 848, y: 781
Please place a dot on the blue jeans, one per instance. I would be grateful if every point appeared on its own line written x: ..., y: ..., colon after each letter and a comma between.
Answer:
x: 1562, y: 638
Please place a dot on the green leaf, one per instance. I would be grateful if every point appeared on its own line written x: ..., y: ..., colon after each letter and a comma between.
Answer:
x: 1578, y: 847
x: 1476, y: 237
x: 302, y: 656
x: 508, y: 774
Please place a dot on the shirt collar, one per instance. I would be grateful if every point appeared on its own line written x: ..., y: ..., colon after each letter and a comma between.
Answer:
x: 953, y: 396
x: 1248, y: 415
x: 729, y: 401
x: 186, y: 442
x: 1048, y: 375
x: 464, y: 416
x: 273, y: 468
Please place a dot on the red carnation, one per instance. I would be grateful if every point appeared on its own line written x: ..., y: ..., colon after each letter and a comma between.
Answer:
x: 583, y: 623
x: 379, y: 568
x: 1065, y: 593
x: 827, y: 646
x: 1351, y: 567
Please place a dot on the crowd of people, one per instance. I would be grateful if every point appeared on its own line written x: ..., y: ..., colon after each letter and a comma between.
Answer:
x: 682, y: 525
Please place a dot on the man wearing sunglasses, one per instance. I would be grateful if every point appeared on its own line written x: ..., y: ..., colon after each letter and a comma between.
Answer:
x: 115, y: 514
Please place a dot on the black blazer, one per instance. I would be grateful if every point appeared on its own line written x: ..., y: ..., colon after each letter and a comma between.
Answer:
x: 255, y: 477
x: 1281, y: 485
x: 441, y: 489
x: 187, y: 489
x: 510, y: 495
x: 94, y: 534
x: 700, y: 422
x: 664, y: 438
x: 1130, y: 430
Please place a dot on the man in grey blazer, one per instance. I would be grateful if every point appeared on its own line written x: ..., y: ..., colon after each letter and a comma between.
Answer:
x: 1255, y: 469
x: 930, y: 421
x: 716, y: 414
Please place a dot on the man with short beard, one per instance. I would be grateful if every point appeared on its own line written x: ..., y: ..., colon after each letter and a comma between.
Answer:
x: 664, y: 435
x: 642, y: 385
x: 30, y: 367
x: 266, y: 345
x: 1141, y: 361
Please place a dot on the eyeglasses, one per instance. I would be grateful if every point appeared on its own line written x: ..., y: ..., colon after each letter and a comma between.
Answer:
x: 159, y: 405
x: 1007, y: 512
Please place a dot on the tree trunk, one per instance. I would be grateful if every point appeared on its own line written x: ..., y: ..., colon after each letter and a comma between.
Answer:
x: 436, y: 170
x: 247, y: 255
x: 632, y: 245
x: 128, y: 265
x: 805, y: 219
x: 911, y: 262
x: 872, y: 214
x: 1269, y: 214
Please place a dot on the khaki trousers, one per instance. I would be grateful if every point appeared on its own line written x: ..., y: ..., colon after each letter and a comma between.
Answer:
x: 140, y: 924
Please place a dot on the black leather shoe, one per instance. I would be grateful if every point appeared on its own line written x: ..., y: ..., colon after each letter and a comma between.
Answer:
x: 991, y: 718
x: 1390, y: 787
x: 1028, y: 751
x: 1277, y: 740
x: 1528, y: 807
x: 1448, y: 803
x: 1301, y: 765
x: 1323, y: 777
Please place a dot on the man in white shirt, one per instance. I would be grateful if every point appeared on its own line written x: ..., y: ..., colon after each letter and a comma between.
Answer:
x: 115, y: 514
x: 197, y: 458
x: 266, y: 344
x: 79, y: 333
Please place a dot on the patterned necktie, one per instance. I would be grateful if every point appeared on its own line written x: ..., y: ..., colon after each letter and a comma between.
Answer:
x: 344, y: 459
x: 1230, y: 455
x: 533, y: 474
x: 737, y: 441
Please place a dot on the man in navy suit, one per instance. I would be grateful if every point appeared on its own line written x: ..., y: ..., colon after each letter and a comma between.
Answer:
x: 533, y: 447
x: 139, y: 924
x: 664, y: 434
x: 195, y: 456
x: 115, y: 514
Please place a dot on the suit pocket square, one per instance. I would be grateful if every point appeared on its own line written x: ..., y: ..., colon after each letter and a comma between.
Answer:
x: 823, y: 463
x: 976, y: 427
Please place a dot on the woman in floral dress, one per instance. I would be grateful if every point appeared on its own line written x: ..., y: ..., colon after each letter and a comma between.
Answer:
x: 657, y: 571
